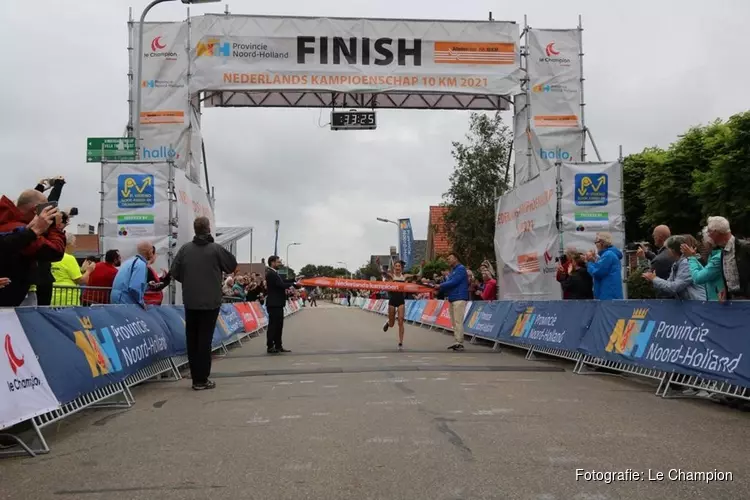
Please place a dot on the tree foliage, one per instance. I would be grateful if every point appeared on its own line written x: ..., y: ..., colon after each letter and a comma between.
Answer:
x: 311, y: 270
x: 369, y: 270
x: 480, y: 174
x: 705, y: 172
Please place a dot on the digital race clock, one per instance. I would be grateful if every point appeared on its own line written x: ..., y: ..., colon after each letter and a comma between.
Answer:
x: 353, y: 120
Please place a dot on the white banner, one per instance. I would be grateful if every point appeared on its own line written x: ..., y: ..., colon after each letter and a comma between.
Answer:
x: 591, y: 202
x: 354, y: 55
x: 24, y: 391
x: 192, y: 202
x: 165, y: 110
x: 527, y: 241
x: 136, y: 207
x: 555, y: 97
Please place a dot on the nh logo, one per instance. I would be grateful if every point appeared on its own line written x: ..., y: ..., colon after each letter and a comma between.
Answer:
x: 524, y: 322
x: 630, y: 337
x: 99, y: 349
x: 213, y: 47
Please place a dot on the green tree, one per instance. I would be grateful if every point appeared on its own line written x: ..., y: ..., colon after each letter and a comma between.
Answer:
x: 668, y: 185
x: 341, y: 272
x: 309, y: 270
x: 480, y: 175
x: 722, y: 189
x: 434, y: 267
x: 635, y: 167
x: 369, y: 270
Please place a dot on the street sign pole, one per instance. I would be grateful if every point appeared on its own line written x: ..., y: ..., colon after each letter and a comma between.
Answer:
x: 99, y: 149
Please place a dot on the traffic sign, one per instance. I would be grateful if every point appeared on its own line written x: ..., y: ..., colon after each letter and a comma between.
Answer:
x: 100, y: 149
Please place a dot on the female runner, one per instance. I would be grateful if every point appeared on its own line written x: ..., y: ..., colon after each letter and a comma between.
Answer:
x: 396, y: 303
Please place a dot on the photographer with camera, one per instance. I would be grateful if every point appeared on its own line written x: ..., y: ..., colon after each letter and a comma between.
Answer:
x: 31, y: 212
x: 44, y: 279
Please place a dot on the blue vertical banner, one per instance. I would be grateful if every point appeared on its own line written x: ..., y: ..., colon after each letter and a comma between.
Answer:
x: 406, y: 242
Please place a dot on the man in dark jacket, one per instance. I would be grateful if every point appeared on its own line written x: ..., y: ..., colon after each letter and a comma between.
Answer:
x: 275, y: 301
x: 47, y: 246
x: 199, y: 265
x: 661, y: 262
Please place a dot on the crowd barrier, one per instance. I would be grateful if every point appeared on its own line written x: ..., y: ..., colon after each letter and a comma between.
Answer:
x: 63, y: 360
x: 683, y: 345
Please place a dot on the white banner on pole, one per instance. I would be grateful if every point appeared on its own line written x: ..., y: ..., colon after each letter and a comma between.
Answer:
x: 192, y: 202
x: 24, y: 391
x: 354, y: 55
x: 165, y: 110
x: 527, y: 240
x: 136, y: 208
x: 591, y: 202
x: 555, y: 96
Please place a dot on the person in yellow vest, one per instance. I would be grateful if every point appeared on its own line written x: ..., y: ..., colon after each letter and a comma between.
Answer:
x: 68, y: 277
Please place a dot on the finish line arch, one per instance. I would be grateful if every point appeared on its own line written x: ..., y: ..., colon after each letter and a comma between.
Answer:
x: 223, y: 60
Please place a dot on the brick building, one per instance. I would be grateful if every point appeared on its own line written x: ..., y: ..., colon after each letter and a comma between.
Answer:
x: 438, y: 243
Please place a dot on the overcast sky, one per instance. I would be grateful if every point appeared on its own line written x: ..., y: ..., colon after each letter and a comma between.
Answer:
x: 652, y: 68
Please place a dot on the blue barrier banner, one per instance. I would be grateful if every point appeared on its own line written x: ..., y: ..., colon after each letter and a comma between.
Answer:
x: 705, y: 339
x: 174, y: 319
x: 558, y: 324
x: 82, y: 349
x: 417, y: 310
x: 485, y: 318
x: 229, y: 321
x: 408, y: 309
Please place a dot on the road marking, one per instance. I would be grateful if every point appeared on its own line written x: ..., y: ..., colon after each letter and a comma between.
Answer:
x: 412, y: 402
x: 372, y: 403
x: 306, y: 381
x: 285, y: 383
x: 258, y: 420
x: 330, y: 386
x: 290, y: 417
x: 398, y: 380
x: 440, y: 378
x: 372, y: 357
x: 320, y: 414
x: 421, y: 378
x: 382, y: 440
x: 455, y: 412
x: 298, y: 467
x: 468, y: 384
x: 493, y: 411
x: 423, y: 442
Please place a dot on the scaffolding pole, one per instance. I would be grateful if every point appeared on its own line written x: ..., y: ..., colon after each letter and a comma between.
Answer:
x: 131, y: 28
x: 582, y: 101
x: 527, y: 82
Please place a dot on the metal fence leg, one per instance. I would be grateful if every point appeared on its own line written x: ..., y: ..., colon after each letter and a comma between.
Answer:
x: 530, y: 354
x: 496, y: 347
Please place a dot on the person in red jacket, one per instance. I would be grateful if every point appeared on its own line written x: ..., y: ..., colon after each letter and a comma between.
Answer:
x: 99, y: 286
x: 490, y: 286
x: 20, y: 269
x: 155, y: 284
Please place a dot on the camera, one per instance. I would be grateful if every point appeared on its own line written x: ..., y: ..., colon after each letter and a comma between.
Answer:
x: 70, y: 213
x: 563, y: 259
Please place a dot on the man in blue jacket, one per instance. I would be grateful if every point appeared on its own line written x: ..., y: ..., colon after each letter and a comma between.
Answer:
x: 456, y: 291
x: 131, y: 279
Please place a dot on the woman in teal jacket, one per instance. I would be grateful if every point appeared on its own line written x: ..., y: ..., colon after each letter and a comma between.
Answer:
x: 711, y: 276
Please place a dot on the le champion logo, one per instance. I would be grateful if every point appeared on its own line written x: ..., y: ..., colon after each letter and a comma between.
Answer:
x: 14, y: 361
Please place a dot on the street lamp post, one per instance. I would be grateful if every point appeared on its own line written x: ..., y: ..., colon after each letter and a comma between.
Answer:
x: 139, y: 66
x: 346, y: 266
x: 398, y: 233
x: 287, y: 255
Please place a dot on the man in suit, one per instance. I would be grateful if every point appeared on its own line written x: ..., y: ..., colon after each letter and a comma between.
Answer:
x: 275, y: 301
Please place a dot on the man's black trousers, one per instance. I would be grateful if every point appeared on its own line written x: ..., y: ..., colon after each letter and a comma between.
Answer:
x: 199, y: 330
x: 275, y: 327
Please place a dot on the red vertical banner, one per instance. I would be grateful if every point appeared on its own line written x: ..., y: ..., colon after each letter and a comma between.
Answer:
x: 248, y: 318
x: 260, y: 314
x: 430, y: 312
x: 444, y: 316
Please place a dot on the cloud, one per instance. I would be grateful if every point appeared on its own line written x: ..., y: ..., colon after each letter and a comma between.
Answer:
x: 651, y: 71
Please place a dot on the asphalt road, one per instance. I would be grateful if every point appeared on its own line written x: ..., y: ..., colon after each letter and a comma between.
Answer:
x: 346, y: 416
